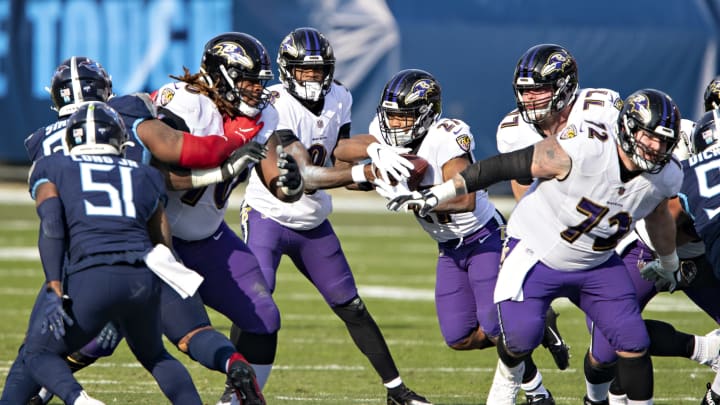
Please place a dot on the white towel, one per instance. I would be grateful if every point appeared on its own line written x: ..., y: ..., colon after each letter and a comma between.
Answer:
x: 162, y: 262
x: 512, y: 273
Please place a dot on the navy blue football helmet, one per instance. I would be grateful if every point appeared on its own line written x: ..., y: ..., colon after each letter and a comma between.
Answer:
x: 545, y: 65
x: 95, y: 129
x: 655, y: 112
x: 706, y: 134
x: 77, y: 80
x: 308, y: 48
x: 412, y: 93
x: 231, y: 58
x: 712, y: 94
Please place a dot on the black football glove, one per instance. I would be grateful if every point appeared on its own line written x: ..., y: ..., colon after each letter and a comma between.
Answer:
x: 290, y: 180
x: 250, y: 153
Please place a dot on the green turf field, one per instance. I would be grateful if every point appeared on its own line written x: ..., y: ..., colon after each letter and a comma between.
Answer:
x: 393, y: 262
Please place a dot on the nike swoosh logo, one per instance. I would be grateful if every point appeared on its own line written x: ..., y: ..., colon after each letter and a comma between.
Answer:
x: 217, y: 237
x: 246, y: 129
x: 481, y: 240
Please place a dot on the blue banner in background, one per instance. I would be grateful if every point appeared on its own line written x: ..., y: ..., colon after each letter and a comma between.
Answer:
x: 471, y: 47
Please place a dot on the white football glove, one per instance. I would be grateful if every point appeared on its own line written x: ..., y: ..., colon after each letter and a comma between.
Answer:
x: 654, y: 271
x: 388, y: 161
x: 388, y: 191
x: 422, y: 201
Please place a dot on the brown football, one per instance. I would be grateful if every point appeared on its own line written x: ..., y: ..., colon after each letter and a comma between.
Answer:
x: 420, y: 166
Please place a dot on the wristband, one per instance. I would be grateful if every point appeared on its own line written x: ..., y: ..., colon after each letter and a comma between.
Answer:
x: 670, y: 262
x: 444, y: 191
x: 205, y: 177
x: 358, y: 173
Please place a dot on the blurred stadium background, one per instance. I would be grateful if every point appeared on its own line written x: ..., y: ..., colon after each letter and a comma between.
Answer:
x: 470, y: 46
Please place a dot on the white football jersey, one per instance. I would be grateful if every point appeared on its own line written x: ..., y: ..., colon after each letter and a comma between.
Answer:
x: 196, y: 214
x: 513, y: 133
x: 447, y: 139
x: 575, y: 223
x: 319, y: 135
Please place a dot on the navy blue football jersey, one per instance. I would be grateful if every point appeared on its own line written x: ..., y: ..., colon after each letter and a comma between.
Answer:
x: 47, y: 140
x: 107, y: 202
x: 133, y: 109
x: 700, y: 193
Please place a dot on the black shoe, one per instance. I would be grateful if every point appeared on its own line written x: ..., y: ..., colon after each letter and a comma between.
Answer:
x: 587, y: 401
x: 402, y: 395
x: 540, y: 399
x: 242, y: 379
x: 554, y: 342
x: 710, y: 398
x: 227, y: 395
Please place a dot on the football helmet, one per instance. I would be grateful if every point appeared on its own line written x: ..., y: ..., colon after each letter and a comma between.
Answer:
x: 308, y: 48
x: 706, y: 134
x: 95, y: 129
x: 229, y: 59
x: 540, y: 66
x: 712, y: 94
x: 77, y: 80
x: 655, y: 112
x: 414, y: 94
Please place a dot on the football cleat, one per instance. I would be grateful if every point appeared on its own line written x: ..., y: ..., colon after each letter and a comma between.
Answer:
x: 228, y: 394
x: 42, y: 397
x: 552, y: 340
x: 540, y: 399
x: 587, y: 401
x: 242, y: 379
x: 402, y: 395
x: 710, y: 398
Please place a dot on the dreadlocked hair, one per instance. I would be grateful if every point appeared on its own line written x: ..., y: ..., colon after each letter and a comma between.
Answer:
x: 199, y: 83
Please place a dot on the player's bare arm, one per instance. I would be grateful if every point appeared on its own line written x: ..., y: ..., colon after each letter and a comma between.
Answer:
x: 661, y: 229
x: 159, y: 228
x: 317, y: 177
x: 550, y: 160
x: 354, y: 149
x: 462, y: 203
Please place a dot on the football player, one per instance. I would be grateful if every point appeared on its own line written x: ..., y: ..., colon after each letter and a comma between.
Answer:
x: 314, y: 118
x: 467, y: 229
x: 78, y: 80
x: 104, y: 213
x: 562, y: 234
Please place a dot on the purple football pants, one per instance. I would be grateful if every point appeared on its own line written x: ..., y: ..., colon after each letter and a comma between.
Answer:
x: 316, y: 253
x: 465, y: 278
x: 704, y: 296
x: 233, y: 285
x: 605, y: 293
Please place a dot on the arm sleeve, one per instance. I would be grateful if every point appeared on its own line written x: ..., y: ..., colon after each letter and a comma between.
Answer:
x: 505, y: 166
x: 51, y: 238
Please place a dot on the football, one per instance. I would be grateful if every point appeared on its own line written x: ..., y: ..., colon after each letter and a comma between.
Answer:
x: 420, y: 166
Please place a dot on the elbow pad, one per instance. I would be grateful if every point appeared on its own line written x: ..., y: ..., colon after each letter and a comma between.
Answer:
x: 505, y: 166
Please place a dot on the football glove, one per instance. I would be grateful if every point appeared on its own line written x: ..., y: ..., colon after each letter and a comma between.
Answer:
x: 388, y: 161
x: 388, y: 191
x: 250, y: 153
x: 290, y: 180
x: 422, y: 202
x: 55, y: 316
x: 108, y: 336
x: 669, y: 280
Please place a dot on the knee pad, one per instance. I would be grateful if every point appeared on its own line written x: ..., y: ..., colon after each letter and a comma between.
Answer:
x: 353, y: 311
x: 257, y: 348
x: 598, y: 373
